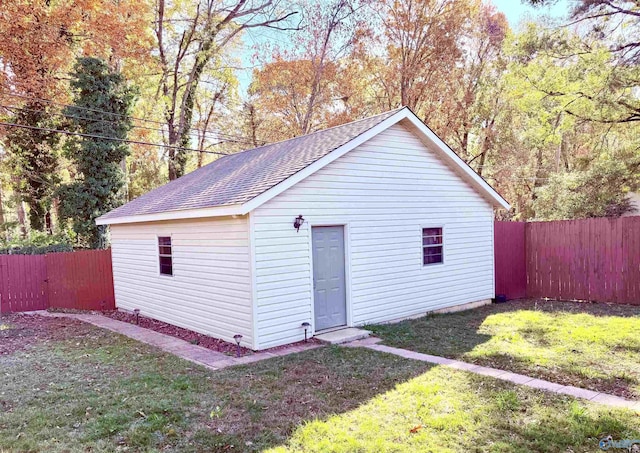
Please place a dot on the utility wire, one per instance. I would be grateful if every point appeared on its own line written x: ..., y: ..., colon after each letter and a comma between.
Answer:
x: 48, y: 101
x: 224, y: 137
x: 102, y: 137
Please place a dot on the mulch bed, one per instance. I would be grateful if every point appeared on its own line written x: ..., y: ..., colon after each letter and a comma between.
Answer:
x: 184, y: 334
x: 193, y: 337
x: 18, y: 331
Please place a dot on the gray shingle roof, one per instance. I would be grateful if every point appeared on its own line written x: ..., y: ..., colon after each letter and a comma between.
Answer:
x: 237, y: 178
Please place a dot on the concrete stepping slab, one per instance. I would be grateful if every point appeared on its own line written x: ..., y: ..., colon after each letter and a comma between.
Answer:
x: 486, y: 371
x: 462, y: 365
x: 578, y: 392
x: 516, y: 378
x: 612, y: 400
x: 544, y: 385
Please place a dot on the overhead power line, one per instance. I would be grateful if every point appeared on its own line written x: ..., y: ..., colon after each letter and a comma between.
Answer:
x: 102, y: 137
x: 48, y: 101
x: 219, y: 136
x: 146, y: 120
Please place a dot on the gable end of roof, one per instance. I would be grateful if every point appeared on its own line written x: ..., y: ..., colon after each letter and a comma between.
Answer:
x: 241, y: 182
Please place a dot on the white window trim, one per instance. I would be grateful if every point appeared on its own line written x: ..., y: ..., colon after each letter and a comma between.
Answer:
x: 444, y: 241
x: 170, y: 236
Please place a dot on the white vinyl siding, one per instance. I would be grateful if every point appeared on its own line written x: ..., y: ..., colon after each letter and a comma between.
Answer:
x: 385, y: 191
x: 210, y: 289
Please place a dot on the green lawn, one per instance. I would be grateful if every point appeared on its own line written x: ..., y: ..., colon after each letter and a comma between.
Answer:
x: 594, y: 346
x: 79, y: 388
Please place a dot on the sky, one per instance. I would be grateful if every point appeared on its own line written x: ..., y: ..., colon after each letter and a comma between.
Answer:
x: 515, y: 11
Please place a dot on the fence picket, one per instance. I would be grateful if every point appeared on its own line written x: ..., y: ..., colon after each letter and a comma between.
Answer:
x: 57, y: 280
x: 591, y: 259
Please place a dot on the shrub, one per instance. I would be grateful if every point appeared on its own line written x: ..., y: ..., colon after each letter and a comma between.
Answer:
x: 38, y: 243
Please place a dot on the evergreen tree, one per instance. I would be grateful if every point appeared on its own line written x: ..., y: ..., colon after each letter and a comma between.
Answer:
x: 101, y: 107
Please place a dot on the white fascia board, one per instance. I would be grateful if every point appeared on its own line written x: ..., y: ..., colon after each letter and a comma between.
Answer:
x: 217, y: 211
x: 466, y: 170
x: 322, y: 162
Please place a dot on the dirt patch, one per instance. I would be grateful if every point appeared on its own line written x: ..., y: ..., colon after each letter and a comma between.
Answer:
x: 19, y: 332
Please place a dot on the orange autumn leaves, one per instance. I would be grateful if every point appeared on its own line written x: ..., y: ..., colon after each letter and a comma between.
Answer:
x: 429, y: 55
x: 39, y: 40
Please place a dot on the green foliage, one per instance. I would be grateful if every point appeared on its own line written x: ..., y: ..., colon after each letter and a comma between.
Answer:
x: 595, y: 192
x: 38, y: 243
x: 568, y: 155
x: 98, y: 188
x: 33, y: 158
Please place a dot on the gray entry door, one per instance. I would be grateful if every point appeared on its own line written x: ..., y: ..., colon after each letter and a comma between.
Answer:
x: 329, y: 289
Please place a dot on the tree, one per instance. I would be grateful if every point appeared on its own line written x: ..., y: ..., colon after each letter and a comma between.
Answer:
x: 593, y: 192
x: 476, y: 111
x: 613, y: 25
x: 33, y: 156
x: 190, y: 40
x: 423, y: 46
x: 98, y: 188
x: 302, y: 86
x: 38, y: 41
x: 281, y: 91
x: 558, y: 143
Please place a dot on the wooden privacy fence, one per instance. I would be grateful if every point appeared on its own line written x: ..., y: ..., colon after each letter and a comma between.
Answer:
x: 79, y: 280
x: 510, y: 260
x: 591, y: 259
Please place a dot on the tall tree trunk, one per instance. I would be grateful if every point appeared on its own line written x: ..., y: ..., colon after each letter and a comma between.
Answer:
x: 212, y: 27
x: 253, y: 125
x: 1, y: 207
x: 22, y: 218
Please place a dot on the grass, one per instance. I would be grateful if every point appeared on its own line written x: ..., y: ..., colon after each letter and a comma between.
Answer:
x: 446, y: 411
x: 92, y: 390
x: 594, y: 346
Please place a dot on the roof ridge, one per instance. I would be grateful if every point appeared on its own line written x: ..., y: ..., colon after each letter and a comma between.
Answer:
x: 311, y: 133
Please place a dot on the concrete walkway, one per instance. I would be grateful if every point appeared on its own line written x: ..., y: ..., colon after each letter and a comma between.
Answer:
x: 596, y: 397
x: 197, y: 354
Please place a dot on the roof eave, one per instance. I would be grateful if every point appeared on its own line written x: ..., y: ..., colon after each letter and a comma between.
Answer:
x: 216, y: 211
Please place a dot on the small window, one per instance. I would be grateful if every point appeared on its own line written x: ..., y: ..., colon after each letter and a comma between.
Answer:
x: 432, y: 246
x: 164, y: 252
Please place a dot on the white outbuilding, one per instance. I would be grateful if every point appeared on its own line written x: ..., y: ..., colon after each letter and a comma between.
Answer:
x: 368, y: 222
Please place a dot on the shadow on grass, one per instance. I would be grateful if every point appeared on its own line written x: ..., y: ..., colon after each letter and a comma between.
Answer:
x: 588, y: 345
x: 100, y: 392
x: 450, y: 410
x: 103, y: 391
